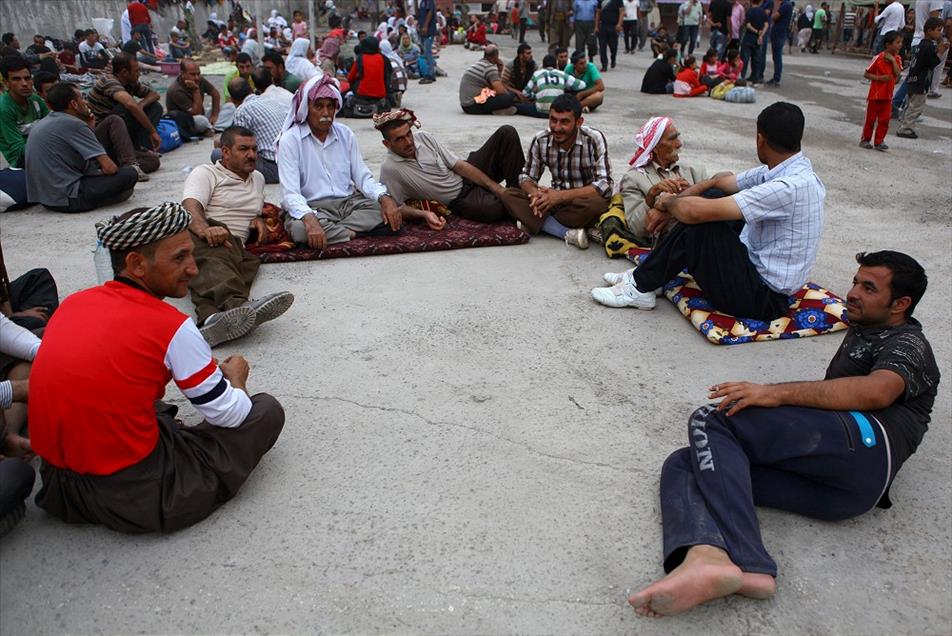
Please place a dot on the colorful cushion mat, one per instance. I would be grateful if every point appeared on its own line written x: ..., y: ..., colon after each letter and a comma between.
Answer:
x: 416, y: 237
x: 813, y: 311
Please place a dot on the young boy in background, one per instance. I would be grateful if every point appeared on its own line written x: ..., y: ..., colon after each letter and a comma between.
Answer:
x: 920, y: 75
x: 882, y: 74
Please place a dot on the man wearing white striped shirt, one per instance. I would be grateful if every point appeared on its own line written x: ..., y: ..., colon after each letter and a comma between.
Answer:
x: 749, y: 250
x: 577, y: 157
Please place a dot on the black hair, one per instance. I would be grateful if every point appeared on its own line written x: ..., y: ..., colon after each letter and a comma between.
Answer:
x: 79, y: 34
x: 566, y: 103
x: 60, y: 95
x: 670, y: 53
x: 230, y: 133
x: 8, y: 38
x: 243, y: 58
x: 262, y: 79
x: 43, y: 77
x: 710, y: 53
x: 549, y: 61
x: 122, y: 62
x: 908, y: 276
x: 891, y: 37
x: 731, y: 54
x: 274, y: 57
x: 12, y: 63
x: 781, y: 124
x: 391, y: 125
x: 87, y: 32
x: 688, y: 61
x: 239, y: 89
x: 559, y: 50
x: 576, y: 56
x: 522, y: 48
x: 932, y: 23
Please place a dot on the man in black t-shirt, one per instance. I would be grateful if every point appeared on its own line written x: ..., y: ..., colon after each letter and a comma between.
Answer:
x: 609, y: 17
x: 660, y: 75
x: 719, y: 16
x: 827, y: 449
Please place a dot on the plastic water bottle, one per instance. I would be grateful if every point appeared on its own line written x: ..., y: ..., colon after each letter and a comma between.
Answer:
x: 187, y: 169
x: 103, y: 263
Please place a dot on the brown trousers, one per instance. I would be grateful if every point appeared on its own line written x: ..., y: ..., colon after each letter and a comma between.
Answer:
x: 114, y: 137
x: 582, y: 212
x: 187, y: 476
x: 225, y: 275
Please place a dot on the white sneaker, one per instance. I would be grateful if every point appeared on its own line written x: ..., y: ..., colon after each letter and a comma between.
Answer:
x: 613, y: 278
x: 577, y: 237
x: 624, y: 294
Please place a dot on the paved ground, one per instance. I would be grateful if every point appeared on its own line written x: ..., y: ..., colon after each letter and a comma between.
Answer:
x: 473, y: 446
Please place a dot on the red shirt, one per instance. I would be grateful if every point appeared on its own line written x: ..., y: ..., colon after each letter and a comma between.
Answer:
x: 106, y: 357
x: 372, y: 80
x: 138, y: 14
x: 881, y: 66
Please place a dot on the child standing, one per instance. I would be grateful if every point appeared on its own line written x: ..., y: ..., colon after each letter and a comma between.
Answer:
x: 882, y: 74
x: 920, y: 75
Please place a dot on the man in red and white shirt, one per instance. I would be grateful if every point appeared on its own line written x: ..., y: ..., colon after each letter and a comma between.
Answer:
x: 112, y: 453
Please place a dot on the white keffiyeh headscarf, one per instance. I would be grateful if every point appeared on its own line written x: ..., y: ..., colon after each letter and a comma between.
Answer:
x: 647, y: 138
x: 297, y: 62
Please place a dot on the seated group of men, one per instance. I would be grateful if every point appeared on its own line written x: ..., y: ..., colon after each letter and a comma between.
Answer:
x: 827, y: 449
x: 490, y: 87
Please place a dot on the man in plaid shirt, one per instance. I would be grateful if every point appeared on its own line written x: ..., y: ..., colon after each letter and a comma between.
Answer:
x: 577, y: 157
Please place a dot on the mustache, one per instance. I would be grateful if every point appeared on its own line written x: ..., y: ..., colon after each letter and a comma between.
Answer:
x: 326, y: 119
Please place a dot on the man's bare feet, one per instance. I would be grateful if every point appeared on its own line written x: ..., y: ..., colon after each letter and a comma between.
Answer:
x: 759, y: 586
x: 705, y: 574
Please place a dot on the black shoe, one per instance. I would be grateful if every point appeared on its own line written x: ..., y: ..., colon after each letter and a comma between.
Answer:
x: 911, y: 134
x: 604, y: 70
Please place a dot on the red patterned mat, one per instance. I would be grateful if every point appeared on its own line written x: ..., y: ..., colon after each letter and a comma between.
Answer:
x: 459, y: 233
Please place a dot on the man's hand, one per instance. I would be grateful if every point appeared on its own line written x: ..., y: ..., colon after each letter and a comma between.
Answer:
x: 543, y: 200
x: 236, y: 369
x: 213, y: 119
x: 655, y: 220
x: 316, y: 239
x: 33, y: 312
x: 739, y: 395
x: 14, y: 445
x: 155, y: 139
x: 671, y: 186
x: 21, y: 390
x: 390, y: 213
x: 258, y: 225
x: 216, y: 235
x: 434, y: 220
x: 190, y: 85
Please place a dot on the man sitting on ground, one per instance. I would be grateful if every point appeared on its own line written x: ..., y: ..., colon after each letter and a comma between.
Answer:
x: 116, y: 93
x: 481, y: 91
x: 243, y: 68
x: 592, y: 96
x: 67, y: 168
x: 43, y: 81
x: 748, y: 251
x: 828, y: 450
x: 516, y: 74
x: 111, y: 453
x: 224, y: 200
x: 654, y: 169
x: 329, y: 193
x: 279, y: 75
x: 20, y: 109
x: 418, y: 166
x: 187, y: 95
x: 264, y: 115
x: 577, y: 157
x: 547, y: 84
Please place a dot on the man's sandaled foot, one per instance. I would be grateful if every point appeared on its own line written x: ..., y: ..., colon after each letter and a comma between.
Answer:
x: 759, y: 586
x: 707, y: 573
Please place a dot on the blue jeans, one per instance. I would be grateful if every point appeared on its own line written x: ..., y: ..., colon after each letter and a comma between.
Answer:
x: 146, y: 40
x: 688, y: 38
x: 878, y: 44
x: 428, y: 57
x: 761, y: 61
x: 899, y: 97
x: 718, y: 42
x: 776, y: 52
x: 809, y: 461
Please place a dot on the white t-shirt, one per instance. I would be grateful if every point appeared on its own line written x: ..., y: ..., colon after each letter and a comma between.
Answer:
x: 892, y: 18
x: 226, y: 197
x: 631, y: 10
x: 923, y: 9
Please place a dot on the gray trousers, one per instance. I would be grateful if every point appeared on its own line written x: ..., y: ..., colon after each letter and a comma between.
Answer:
x: 585, y: 37
x: 339, y: 217
x: 914, y: 107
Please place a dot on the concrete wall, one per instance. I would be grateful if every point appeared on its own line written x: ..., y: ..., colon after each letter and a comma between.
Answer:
x: 59, y: 18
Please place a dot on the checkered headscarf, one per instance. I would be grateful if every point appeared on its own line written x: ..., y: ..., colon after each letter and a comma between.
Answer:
x: 403, y: 114
x: 146, y: 227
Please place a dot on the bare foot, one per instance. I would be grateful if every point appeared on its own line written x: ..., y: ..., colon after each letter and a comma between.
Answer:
x: 707, y: 573
x: 760, y: 586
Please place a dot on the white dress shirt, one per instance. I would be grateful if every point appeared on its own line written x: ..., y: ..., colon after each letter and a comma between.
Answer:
x: 783, y: 211
x: 893, y: 17
x: 310, y: 169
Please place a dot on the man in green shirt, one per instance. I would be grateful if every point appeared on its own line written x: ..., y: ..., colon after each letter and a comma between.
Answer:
x: 819, y: 24
x: 20, y: 107
x: 243, y: 68
x: 273, y: 61
x: 592, y: 96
